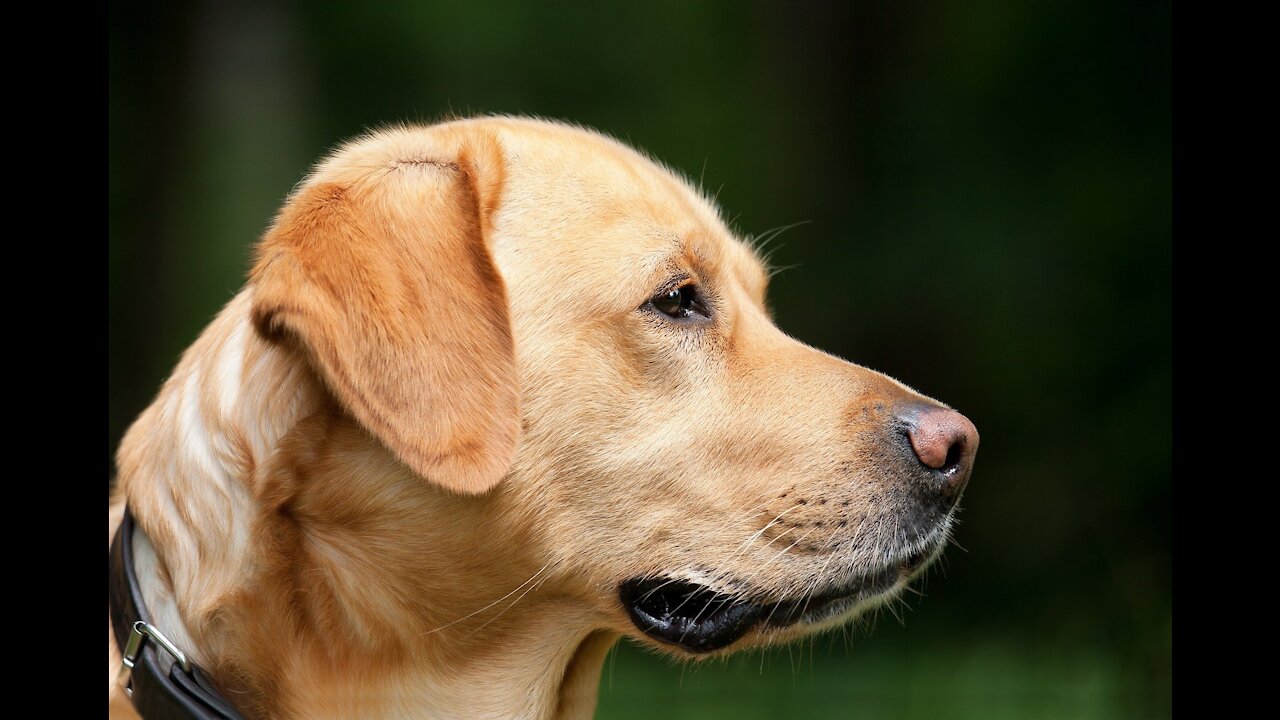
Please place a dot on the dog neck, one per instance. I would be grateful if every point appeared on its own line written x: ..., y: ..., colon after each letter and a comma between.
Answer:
x: 245, y: 476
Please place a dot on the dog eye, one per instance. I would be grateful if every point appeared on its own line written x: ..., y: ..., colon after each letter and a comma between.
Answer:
x: 680, y: 303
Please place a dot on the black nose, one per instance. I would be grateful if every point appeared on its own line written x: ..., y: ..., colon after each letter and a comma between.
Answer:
x: 945, y: 442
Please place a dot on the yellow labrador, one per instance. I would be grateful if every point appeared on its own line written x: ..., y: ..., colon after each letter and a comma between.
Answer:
x: 497, y: 392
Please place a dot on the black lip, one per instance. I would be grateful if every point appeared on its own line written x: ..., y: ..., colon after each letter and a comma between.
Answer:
x: 687, y: 614
x: 695, y: 617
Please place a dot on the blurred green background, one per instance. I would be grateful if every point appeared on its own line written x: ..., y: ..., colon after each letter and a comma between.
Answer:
x: 987, y: 190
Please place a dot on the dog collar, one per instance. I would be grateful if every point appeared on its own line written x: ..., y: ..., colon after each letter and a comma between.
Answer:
x: 184, y: 692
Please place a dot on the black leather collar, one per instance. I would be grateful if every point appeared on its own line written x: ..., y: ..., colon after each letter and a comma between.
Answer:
x: 183, y: 692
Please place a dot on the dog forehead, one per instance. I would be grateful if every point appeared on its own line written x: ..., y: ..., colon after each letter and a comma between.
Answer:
x: 577, y: 173
x: 584, y: 200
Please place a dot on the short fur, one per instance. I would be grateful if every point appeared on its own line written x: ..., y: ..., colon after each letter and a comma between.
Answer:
x: 405, y: 469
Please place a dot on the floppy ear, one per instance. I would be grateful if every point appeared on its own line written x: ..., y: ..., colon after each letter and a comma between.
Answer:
x: 379, y: 271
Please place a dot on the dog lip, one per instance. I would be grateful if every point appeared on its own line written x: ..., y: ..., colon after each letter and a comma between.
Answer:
x: 698, y: 619
x: 689, y: 615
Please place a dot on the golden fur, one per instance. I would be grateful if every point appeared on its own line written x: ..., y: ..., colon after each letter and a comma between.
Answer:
x: 404, y: 470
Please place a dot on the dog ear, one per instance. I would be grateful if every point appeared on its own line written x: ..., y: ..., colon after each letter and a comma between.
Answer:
x: 379, y: 271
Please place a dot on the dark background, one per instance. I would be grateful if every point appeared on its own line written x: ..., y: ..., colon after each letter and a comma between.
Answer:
x: 987, y: 190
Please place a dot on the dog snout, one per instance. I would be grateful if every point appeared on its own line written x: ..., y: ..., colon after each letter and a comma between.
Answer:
x: 944, y: 443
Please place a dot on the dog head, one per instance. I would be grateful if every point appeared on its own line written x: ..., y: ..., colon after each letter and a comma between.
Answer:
x: 540, y: 322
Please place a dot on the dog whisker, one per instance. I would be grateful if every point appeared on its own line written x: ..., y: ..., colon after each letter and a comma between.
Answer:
x: 505, y: 609
x: 495, y: 602
x: 746, y: 543
x: 647, y: 595
x: 819, y: 576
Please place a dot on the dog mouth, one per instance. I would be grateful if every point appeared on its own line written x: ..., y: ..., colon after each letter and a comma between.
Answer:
x: 699, y: 619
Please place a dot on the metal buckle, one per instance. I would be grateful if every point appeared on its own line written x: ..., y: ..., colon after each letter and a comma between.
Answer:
x: 141, y: 631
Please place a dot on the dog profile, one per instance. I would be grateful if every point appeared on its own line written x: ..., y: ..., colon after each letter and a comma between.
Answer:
x: 497, y: 392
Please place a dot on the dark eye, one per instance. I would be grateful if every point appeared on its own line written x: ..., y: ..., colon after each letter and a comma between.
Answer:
x: 680, y: 303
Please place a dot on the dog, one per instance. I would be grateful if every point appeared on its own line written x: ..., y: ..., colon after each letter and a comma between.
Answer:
x: 497, y: 392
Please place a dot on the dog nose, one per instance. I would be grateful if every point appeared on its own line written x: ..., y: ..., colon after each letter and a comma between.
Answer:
x: 945, y: 442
